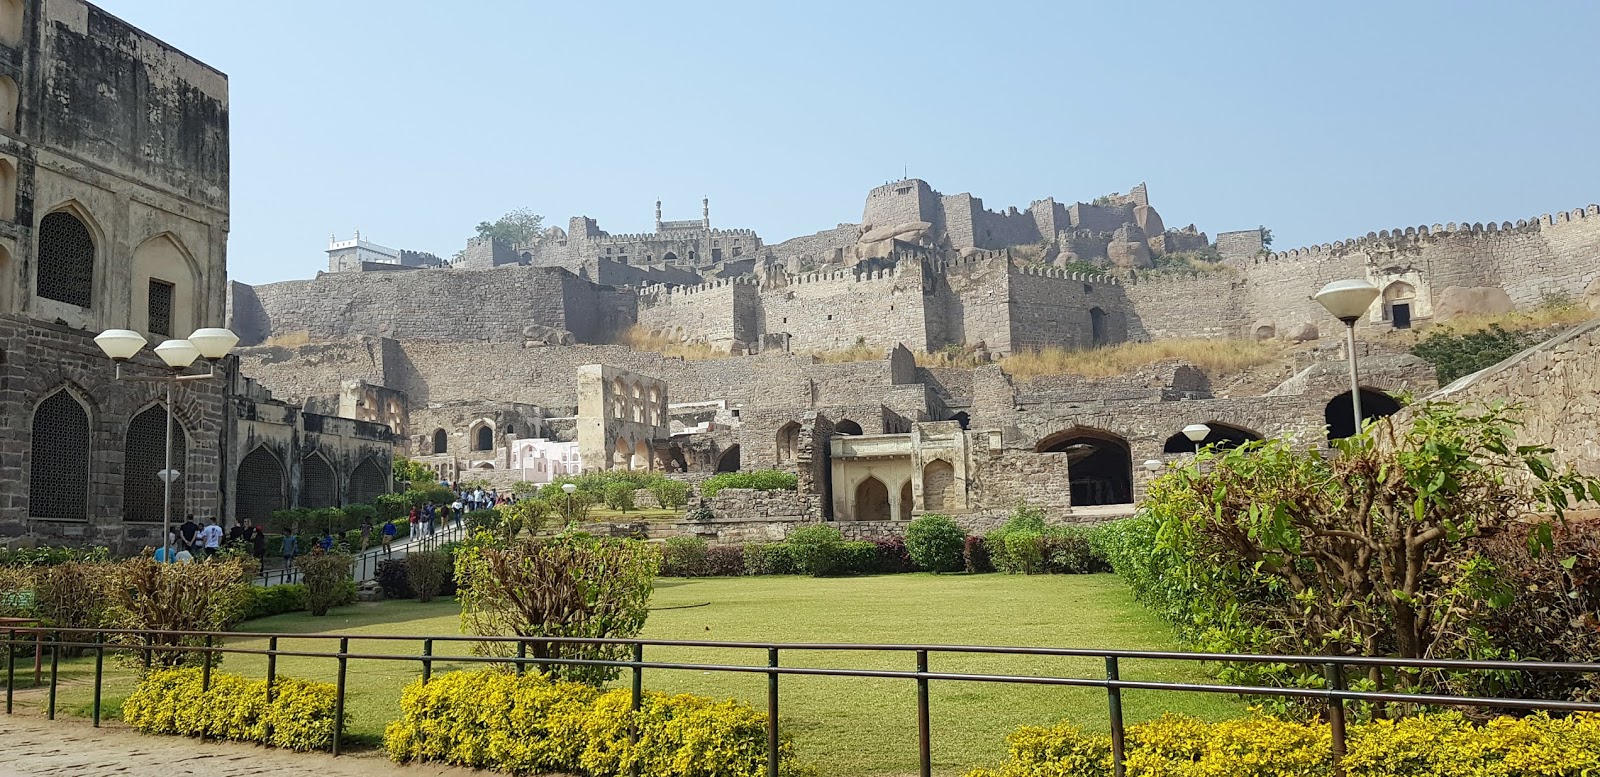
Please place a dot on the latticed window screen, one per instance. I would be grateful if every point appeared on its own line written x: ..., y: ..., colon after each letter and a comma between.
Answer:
x: 317, y: 487
x: 366, y: 483
x: 143, y: 457
x: 160, y: 308
x: 260, y: 487
x: 58, y: 478
x: 66, y: 260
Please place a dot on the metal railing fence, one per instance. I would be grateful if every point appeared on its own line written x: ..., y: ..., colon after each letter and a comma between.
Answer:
x: 1336, y: 694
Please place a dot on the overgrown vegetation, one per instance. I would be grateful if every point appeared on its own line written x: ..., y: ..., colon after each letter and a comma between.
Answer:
x: 1455, y: 355
x: 1026, y: 545
x: 1378, y: 551
x: 760, y: 480
x: 640, y: 339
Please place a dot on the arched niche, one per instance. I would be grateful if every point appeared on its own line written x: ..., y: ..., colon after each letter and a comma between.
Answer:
x: 1099, y: 464
x: 871, y: 500
x: 1339, y: 413
x: 1222, y: 437
x: 165, y: 283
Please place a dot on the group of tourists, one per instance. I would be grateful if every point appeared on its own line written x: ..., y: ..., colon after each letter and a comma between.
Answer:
x: 191, y: 541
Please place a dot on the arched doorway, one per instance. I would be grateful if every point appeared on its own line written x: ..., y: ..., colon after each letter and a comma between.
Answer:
x: 1340, y: 415
x: 441, y: 442
x: 259, y: 489
x: 1222, y: 437
x: 679, y: 463
x: 366, y: 483
x: 1097, y: 326
x: 621, y: 454
x: 641, y: 456
x: 788, y: 442
x: 847, y: 426
x: 906, y: 502
x: 483, y: 438
x: 669, y: 257
x: 1399, y: 300
x: 872, y: 500
x: 962, y: 418
x: 318, y: 486
x: 1099, y: 465
x: 729, y: 461
x: 938, y: 486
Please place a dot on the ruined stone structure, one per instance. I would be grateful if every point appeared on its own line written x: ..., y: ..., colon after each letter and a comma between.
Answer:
x: 673, y: 244
x: 622, y: 416
x: 114, y: 214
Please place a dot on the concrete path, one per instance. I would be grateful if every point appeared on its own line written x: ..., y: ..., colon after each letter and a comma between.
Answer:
x: 35, y: 747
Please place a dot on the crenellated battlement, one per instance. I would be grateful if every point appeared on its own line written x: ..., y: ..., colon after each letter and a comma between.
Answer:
x: 1418, y: 233
x: 645, y: 237
x: 667, y: 290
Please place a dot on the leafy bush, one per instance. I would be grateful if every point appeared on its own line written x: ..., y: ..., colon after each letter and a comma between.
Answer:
x: 522, y: 724
x: 700, y: 514
x: 140, y: 593
x: 1438, y: 745
x: 619, y: 496
x: 486, y: 519
x: 327, y: 580
x: 427, y: 572
x: 299, y: 716
x: 771, y: 558
x: 68, y: 594
x: 569, y: 586
x: 525, y: 515
x: 760, y: 480
x: 671, y: 494
x: 857, y: 557
x: 683, y: 557
x: 275, y: 600
x: 1454, y: 355
x: 393, y: 579
x: 818, y: 550
x: 893, y: 558
x: 976, y: 556
x: 725, y: 561
x: 1069, y: 550
x: 50, y: 556
x: 935, y: 543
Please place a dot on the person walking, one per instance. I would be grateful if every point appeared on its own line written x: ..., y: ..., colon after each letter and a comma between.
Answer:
x: 258, y: 543
x: 389, y: 532
x: 366, y: 533
x: 211, y: 538
x: 326, y: 543
x: 291, y: 548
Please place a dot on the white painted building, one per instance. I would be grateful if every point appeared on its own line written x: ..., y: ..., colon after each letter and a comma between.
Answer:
x: 539, y: 460
x: 344, y: 255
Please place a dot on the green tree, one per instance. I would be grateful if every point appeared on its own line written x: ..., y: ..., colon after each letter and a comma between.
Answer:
x: 619, y: 496
x: 935, y: 543
x: 1456, y: 355
x: 518, y: 228
x: 408, y: 471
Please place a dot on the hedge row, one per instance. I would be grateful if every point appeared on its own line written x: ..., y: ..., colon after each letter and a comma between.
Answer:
x: 1438, y: 745
x: 493, y: 719
x: 693, y: 557
x: 299, y: 715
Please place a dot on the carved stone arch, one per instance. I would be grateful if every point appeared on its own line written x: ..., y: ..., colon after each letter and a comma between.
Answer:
x: 64, y: 270
x: 1223, y: 436
x: 11, y: 17
x: 871, y: 502
x: 319, y: 485
x: 1339, y: 413
x: 480, y: 432
x: 261, y: 486
x: 1099, y: 464
x: 729, y: 460
x: 440, y: 441
x: 788, y: 442
x: 164, y: 258
x: 939, y: 486
x: 847, y: 426
x: 367, y: 481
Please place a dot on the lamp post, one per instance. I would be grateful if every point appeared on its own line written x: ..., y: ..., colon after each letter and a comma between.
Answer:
x: 1348, y: 301
x: 569, y: 489
x: 212, y: 343
x: 1197, y: 433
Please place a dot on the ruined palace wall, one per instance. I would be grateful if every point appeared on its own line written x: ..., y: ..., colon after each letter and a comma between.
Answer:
x: 1055, y: 308
x: 805, y: 253
x: 465, y: 305
x: 1201, y: 305
x: 837, y: 310
x: 903, y: 201
x: 972, y: 297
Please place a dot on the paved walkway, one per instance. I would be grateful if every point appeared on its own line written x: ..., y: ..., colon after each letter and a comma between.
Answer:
x: 35, y: 747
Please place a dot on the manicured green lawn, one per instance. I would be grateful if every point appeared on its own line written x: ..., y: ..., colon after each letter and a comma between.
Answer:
x: 847, y: 726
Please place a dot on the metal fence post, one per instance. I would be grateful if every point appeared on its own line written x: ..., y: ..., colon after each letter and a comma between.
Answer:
x: 772, y: 714
x: 205, y: 671
x: 638, y: 701
x: 1336, y: 717
x: 11, y: 667
x: 55, y: 665
x: 99, y: 672
x: 338, y: 699
x: 1114, y: 706
x: 522, y: 655
x: 427, y: 663
x: 924, y: 741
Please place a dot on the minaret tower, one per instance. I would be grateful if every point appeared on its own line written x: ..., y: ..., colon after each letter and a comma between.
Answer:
x: 658, y: 215
x: 705, y: 213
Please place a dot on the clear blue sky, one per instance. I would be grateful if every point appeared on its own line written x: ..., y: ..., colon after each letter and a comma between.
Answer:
x: 415, y: 120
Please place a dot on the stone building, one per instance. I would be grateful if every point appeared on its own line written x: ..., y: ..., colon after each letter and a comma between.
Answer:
x: 114, y: 214
x: 673, y: 244
x: 622, y: 417
x: 359, y: 255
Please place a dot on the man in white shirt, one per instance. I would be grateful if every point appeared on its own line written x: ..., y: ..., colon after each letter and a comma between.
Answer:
x: 211, y: 537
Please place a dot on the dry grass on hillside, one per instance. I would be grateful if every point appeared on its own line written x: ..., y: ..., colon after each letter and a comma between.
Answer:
x: 640, y: 339
x: 1555, y: 315
x: 1217, y: 357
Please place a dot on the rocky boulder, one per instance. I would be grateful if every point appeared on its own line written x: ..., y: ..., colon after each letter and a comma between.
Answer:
x: 1457, y: 301
x: 1303, y: 333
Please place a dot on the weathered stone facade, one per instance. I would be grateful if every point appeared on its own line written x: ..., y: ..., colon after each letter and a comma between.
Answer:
x: 622, y: 419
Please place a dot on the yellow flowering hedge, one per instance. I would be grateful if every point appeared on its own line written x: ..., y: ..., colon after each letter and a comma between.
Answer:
x: 494, y: 719
x: 170, y: 701
x: 1434, y: 745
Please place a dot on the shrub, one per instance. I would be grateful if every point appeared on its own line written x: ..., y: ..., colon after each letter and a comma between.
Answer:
x: 275, y: 600
x: 1068, y: 551
x: 818, y: 550
x: 299, y: 716
x: 671, y: 494
x: 394, y: 506
x: 327, y: 580
x: 1454, y: 355
x: 771, y: 558
x: 700, y: 514
x: 50, y: 556
x: 760, y: 480
x: 892, y: 556
x: 569, y: 586
x: 935, y: 543
x: 525, y: 515
x: 141, y: 593
x: 1435, y: 745
x: 857, y: 557
x: 68, y: 594
x: 976, y: 556
x: 487, y: 519
x: 725, y: 561
x: 683, y: 557
x: 392, y: 578
x: 619, y: 496
x: 522, y: 724
x: 427, y: 572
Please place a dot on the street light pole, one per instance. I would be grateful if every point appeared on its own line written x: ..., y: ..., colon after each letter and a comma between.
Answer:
x: 1348, y: 301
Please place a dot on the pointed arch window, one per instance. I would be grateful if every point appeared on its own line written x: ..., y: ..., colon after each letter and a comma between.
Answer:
x: 66, y: 259
x: 144, y: 455
x: 58, y: 476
